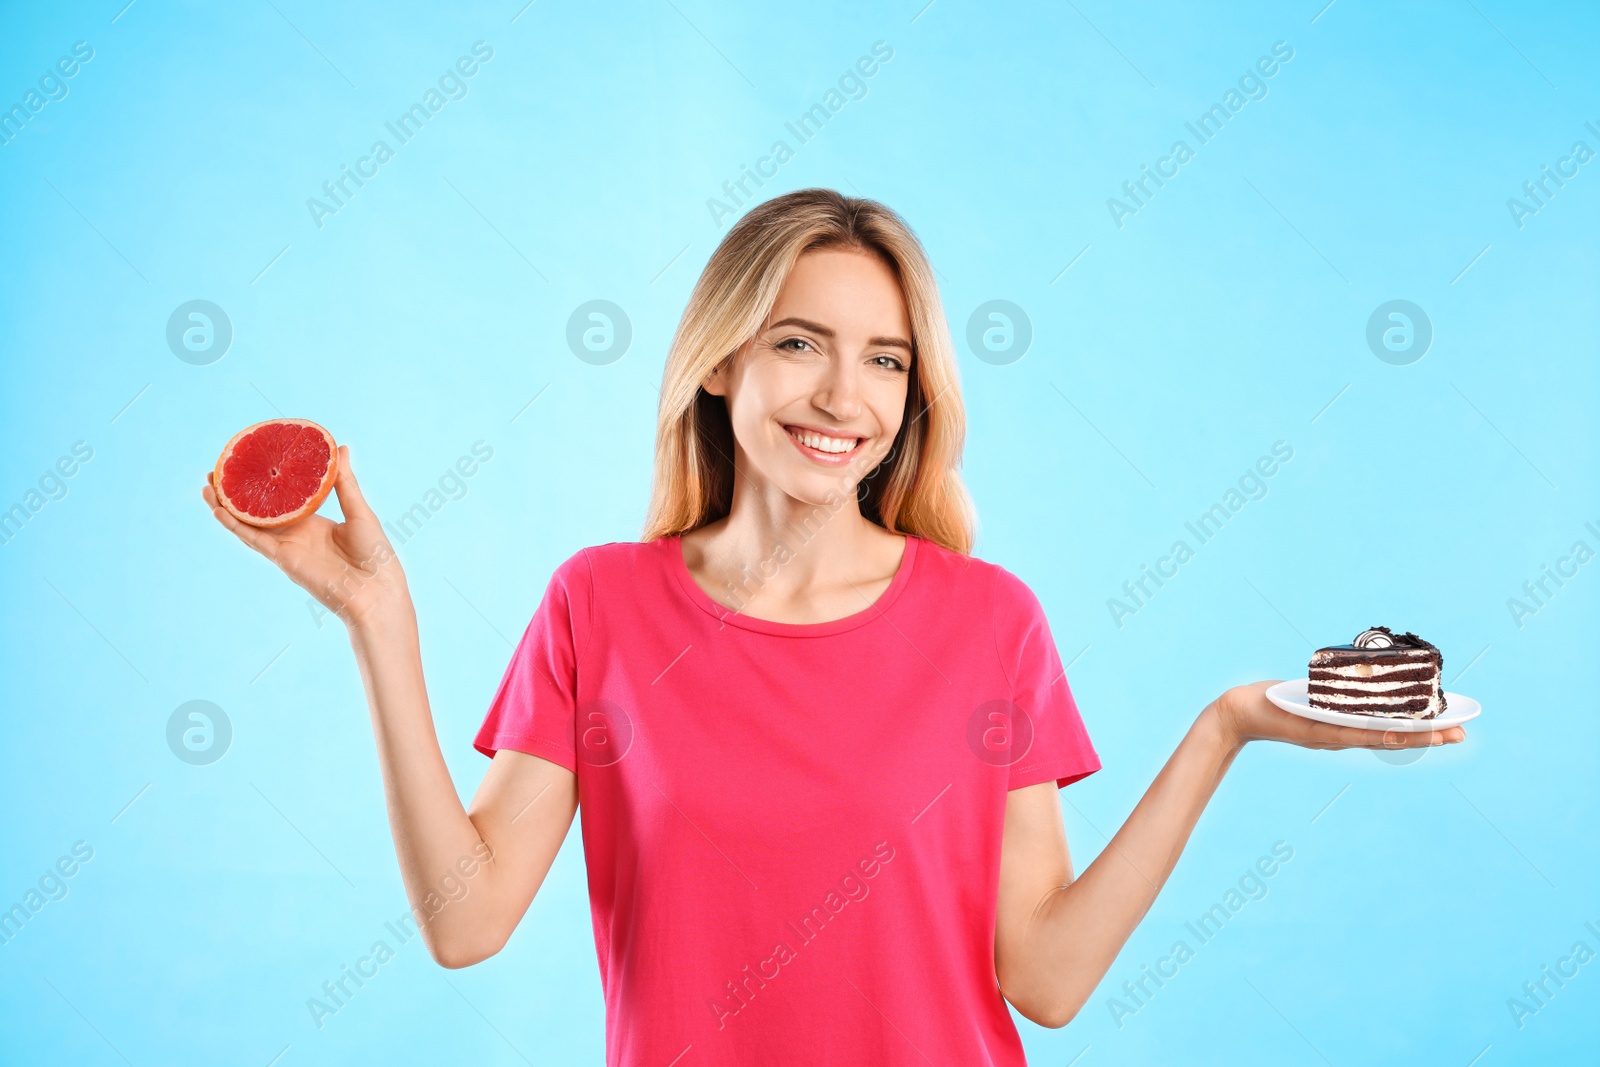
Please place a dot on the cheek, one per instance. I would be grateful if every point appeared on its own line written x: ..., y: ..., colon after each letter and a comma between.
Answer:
x: 751, y: 408
x: 765, y: 390
x: 888, y: 405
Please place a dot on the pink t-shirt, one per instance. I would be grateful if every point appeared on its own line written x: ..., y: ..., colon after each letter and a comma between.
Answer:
x: 792, y: 831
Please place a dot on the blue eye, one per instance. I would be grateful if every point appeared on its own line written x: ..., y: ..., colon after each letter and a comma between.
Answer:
x: 795, y: 341
x: 889, y: 362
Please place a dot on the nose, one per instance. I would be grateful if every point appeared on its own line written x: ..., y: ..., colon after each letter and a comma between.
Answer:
x: 839, y: 391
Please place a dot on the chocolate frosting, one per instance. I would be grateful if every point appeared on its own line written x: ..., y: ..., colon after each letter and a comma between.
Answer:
x: 1381, y: 638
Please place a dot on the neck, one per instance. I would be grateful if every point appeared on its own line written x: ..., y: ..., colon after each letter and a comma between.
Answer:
x: 772, y: 547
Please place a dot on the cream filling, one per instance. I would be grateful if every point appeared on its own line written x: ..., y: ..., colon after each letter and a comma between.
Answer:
x: 1369, y: 670
x: 1373, y: 701
x: 1426, y: 713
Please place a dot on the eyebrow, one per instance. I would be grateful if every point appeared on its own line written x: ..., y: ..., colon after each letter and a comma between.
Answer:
x: 818, y: 328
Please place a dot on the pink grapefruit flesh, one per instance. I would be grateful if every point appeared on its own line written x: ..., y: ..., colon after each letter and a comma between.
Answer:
x: 276, y: 472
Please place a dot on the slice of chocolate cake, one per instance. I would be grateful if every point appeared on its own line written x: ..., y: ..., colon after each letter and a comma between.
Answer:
x: 1379, y: 673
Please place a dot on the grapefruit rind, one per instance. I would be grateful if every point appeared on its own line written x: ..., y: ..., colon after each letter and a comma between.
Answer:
x: 312, y: 503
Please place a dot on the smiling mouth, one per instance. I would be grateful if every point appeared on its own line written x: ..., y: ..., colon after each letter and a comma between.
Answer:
x: 822, y: 447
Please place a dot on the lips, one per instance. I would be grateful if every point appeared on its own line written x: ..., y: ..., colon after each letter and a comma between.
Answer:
x: 826, y: 448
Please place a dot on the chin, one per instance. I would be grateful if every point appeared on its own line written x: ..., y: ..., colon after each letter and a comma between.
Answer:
x: 821, y: 486
x: 822, y: 490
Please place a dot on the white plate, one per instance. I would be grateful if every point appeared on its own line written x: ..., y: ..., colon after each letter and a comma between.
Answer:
x: 1291, y: 697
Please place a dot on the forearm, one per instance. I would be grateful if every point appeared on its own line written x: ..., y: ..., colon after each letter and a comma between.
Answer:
x: 1079, y: 928
x: 431, y: 828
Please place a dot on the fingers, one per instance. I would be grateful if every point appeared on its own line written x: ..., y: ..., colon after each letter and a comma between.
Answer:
x: 351, y: 502
x: 1329, y: 736
x: 1404, y: 739
x: 1388, y: 739
x: 255, y: 537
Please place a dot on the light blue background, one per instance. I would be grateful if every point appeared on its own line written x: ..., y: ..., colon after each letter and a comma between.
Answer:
x: 1226, y: 315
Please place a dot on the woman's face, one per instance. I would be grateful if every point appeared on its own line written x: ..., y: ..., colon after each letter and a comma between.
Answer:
x: 817, y: 396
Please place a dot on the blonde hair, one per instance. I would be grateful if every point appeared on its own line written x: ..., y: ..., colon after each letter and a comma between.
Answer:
x: 916, y: 489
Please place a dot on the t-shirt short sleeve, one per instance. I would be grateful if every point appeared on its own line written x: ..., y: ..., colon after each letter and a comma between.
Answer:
x: 1059, y: 747
x: 535, y: 708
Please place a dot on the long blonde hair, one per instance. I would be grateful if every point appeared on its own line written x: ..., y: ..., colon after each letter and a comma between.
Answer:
x: 916, y: 489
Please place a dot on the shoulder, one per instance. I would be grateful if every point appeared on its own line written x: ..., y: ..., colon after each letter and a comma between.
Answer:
x: 604, y: 574
x: 956, y: 572
x: 625, y: 554
x: 614, y: 560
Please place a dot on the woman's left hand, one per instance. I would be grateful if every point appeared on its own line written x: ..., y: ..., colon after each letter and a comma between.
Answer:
x: 1245, y: 714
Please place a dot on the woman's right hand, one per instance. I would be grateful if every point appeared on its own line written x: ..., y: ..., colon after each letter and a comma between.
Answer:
x: 348, y: 566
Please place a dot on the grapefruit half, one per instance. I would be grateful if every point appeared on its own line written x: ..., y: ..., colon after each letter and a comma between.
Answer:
x: 276, y: 472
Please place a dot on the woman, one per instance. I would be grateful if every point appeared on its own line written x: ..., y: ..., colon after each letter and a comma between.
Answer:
x: 818, y: 743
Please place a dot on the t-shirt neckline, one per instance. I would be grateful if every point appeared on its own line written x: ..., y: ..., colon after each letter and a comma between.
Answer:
x: 673, y: 547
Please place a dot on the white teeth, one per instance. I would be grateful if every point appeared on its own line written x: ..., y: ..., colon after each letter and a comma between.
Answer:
x: 825, y: 444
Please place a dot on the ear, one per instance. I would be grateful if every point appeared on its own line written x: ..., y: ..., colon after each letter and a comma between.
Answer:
x: 716, y: 383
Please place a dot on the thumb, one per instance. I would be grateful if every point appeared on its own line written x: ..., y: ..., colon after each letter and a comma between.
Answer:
x: 351, y: 502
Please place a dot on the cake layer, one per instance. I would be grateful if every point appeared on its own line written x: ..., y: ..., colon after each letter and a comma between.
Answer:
x: 1393, y: 689
x: 1393, y: 678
